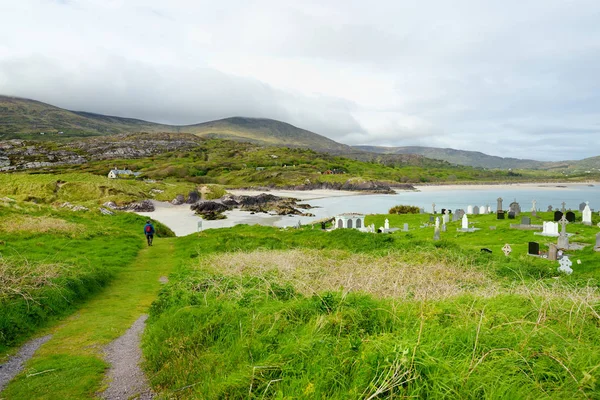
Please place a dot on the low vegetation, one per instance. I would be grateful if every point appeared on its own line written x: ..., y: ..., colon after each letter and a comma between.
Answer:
x: 269, y: 313
x: 53, y: 259
x: 402, y: 209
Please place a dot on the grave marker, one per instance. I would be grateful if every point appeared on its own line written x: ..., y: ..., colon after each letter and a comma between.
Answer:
x: 534, y: 248
x: 570, y: 216
x: 587, y: 214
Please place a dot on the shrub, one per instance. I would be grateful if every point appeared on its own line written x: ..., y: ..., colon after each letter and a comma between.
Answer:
x: 402, y: 209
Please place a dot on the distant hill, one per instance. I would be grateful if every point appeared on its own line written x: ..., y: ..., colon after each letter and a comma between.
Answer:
x: 461, y: 157
x: 24, y: 118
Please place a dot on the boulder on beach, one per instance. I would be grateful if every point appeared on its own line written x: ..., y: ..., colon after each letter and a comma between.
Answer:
x: 178, y: 200
x: 209, y: 210
x: 141, y: 206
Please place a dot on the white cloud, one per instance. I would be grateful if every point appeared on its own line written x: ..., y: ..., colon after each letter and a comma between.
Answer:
x: 507, y: 78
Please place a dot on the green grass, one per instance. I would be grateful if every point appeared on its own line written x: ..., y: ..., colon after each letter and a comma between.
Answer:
x: 73, y: 358
x: 234, y: 325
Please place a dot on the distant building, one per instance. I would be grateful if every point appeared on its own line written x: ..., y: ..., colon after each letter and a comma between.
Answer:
x: 122, y: 173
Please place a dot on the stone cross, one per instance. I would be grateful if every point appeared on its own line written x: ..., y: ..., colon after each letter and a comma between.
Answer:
x: 507, y: 249
x: 565, y: 265
x: 433, y: 208
x: 564, y: 205
x: 563, y: 239
x: 534, y: 204
x: 499, y: 206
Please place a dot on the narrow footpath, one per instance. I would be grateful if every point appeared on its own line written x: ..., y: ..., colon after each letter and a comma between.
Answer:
x: 73, y: 363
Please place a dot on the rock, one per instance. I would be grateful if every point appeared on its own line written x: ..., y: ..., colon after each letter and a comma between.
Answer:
x: 178, y: 200
x: 80, y: 208
x: 142, y: 206
x: 229, y: 200
x: 209, y: 210
x: 105, y: 211
x: 111, y: 205
x: 193, y: 197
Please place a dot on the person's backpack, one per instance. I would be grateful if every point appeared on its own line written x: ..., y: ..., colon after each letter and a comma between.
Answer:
x: 148, y: 228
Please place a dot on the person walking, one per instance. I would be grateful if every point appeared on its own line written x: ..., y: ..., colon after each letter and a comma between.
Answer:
x: 149, y: 232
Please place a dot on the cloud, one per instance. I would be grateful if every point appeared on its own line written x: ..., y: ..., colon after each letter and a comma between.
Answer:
x: 509, y: 78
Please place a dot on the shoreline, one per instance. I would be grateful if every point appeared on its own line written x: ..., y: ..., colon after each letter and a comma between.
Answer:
x: 517, y: 185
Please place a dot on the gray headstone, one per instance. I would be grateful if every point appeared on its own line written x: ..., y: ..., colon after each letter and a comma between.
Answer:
x: 431, y: 218
x: 436, y: 234
x: 476, y: 210
x: 549, y: 208
x: 581, y: 206
x: 499, y: 205
x: 525, y: 221
x: 405, y: 229
x: 597, y: 241
x: 444, y: 228
x: 515, y: 208
x: 563, y: 239
x: 511, y: 215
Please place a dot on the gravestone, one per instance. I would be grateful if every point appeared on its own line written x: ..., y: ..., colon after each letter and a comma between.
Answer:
x: 533, y: 205
x: 431, y: 218
x: 557, y: 215
x: 465, y: 222
x: 437, y: 222
x: 582, y: 206
x: 564, y: 205
x: 446, y: 217
x: 436, y: 233
x: 386, y: 224
x: 455, y: 217
x: 443, y: 211
x: 570, y: 216
x: 500, y: 214
x: 525, y: 221
x: 444, y: 229
x: 459, y: 213
x: 550, y: 228
x: 507, y: 249
x: 552, y: 250
x: 476, y: 210
x: 586, y: 214
x: 499, y: 205
x: 565, y: 265
x: 597, y: 247
x: 549, y: 208
x: 322, y: 225
x: 511, y: 215
x: 422, y: 210
x: 515, y: 208
x: 469, y: 210
x: 563, y: 239
x: 405, y: 229
x: 534, y: 248
x: 483, y: 210
x: 433, y: 208
x: 488, y: 209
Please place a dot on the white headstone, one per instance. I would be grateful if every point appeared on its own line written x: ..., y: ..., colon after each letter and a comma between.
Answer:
x: 483, y: 210
x: 587, y: 214
x: 465, y: 222
x: 469, y: 210
x: 437, y: 222
x: 533, y: 205
x: 565, y: 265
x: 405, y: 229
x: 386, y: 224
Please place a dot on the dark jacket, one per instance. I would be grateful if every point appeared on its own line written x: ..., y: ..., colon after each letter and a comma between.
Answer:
x: 151, y: 229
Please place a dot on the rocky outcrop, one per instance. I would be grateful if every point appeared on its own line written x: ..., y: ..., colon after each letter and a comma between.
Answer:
x: 178, y: 200
x: 141, y: 206
x: 263, y: 203
x: 366, y: 186
x: 193, y: 197
x: 210, y: 210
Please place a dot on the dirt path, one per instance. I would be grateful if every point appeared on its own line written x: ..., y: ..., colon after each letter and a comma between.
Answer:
x: 125, y: 378
x: 15, y: 364
x: 75, y: 357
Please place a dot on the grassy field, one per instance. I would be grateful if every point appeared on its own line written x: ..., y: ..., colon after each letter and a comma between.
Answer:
x: 51, y: 260
x: 260, y: 312
x: 269, y: 313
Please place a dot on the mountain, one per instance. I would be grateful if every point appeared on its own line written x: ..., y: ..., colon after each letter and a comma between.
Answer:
x: 463, y: 157
x: 24, y: 118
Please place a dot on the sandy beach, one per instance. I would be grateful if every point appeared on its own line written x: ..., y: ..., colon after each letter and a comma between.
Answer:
x: 513, y: 186
x: 299, y: 194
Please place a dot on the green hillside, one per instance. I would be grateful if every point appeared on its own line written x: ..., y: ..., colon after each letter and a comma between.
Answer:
x: 462, y: 157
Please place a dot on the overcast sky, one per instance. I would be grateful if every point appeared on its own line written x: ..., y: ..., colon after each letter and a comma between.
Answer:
x: 514, y: 78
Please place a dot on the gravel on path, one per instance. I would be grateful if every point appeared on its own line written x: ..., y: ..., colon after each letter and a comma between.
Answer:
x: 125, y: 377
x: 15, y: 364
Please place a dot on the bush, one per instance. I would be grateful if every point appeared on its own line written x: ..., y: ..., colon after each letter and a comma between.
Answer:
x: 402, y: 209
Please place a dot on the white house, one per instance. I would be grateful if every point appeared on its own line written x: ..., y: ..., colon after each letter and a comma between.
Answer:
x: 350, y: 221
x: 122, y: 173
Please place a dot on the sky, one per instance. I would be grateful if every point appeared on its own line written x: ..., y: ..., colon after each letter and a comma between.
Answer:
x: 507, y: 78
